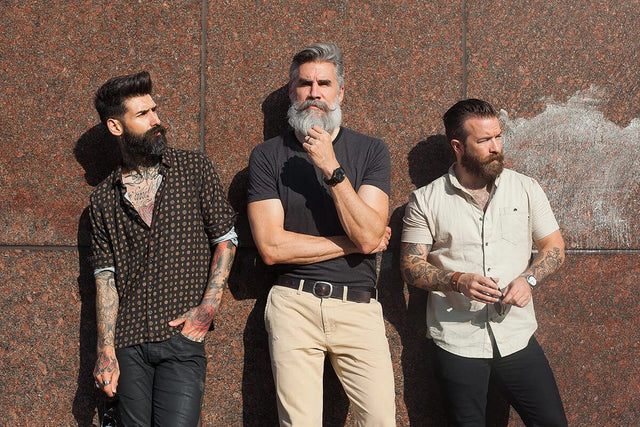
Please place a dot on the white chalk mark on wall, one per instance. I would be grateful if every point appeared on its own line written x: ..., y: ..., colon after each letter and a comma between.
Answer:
x: 588, y: 165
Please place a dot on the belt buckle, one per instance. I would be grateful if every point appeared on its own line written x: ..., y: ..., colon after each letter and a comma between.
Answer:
x: 323, y: 290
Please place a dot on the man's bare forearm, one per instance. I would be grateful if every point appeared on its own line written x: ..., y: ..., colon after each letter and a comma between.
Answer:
x: 106, y: 370
x: 549, y: 258
x: 363, y: 214
x: 546, y: 262
x: 106, y: 308
x: 221, y: 263
x: 417, y: 271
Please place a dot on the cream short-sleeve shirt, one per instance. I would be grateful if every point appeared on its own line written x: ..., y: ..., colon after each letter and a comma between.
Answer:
x: 496, y: 242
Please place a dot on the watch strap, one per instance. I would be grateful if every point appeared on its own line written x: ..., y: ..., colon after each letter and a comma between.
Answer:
x: 337, y: 177
x: 454, y: 281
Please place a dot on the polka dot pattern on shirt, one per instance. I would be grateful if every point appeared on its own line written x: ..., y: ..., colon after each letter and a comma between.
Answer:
x: 161, y: 271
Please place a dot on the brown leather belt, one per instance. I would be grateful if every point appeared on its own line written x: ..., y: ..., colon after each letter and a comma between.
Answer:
x: 323, y: 289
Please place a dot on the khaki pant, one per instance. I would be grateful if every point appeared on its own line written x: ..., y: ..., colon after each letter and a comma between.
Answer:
x: 302, y: 329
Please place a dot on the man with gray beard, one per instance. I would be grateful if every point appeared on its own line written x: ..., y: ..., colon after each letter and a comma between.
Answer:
x: 318, y: 208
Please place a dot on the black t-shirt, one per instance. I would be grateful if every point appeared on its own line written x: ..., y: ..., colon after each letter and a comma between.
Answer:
x: 281, y: 169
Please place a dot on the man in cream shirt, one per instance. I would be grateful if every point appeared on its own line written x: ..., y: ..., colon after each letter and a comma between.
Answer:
x: 467, y: 238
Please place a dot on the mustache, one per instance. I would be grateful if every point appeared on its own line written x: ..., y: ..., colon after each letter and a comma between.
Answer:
x: 314, y: 103
x: 498, y: 156
x: 157, y: 128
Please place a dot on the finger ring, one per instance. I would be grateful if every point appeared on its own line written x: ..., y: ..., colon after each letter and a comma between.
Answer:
x: 307, y: 138
x: 106, y: 382
x: 97, y: 384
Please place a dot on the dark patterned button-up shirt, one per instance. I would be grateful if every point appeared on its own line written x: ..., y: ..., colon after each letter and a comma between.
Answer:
x: 161, y: 271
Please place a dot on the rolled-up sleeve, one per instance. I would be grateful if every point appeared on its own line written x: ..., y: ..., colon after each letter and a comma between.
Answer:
x: 218, y: 215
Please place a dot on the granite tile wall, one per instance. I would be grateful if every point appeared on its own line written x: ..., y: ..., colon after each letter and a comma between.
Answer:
x: 565, y: 74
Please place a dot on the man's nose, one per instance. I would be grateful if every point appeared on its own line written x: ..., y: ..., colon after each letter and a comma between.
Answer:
x: 155, y: 120
x: 495, y: 145
x: 314, y: 91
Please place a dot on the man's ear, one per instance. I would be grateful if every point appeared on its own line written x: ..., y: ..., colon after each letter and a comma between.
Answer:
x: 115, y: 126
x: 458, y: 147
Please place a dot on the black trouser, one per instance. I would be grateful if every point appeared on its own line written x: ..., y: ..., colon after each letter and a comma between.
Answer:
x: 525, y: 378
x: 162, y: 384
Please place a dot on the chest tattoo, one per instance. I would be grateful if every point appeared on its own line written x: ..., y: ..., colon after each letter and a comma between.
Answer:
x: 142, y: 187
x: 481, y: 196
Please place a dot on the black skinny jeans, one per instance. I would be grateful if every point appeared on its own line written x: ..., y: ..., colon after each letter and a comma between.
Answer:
x: 525, y: 379
x: 162, y: 384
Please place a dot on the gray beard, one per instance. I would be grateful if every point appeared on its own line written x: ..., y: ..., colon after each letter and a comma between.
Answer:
x: 301, y: 118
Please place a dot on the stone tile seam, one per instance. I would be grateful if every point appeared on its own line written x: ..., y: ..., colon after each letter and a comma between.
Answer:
x: 74, y: 248
x: 203, y: 73
x: 464, y: 49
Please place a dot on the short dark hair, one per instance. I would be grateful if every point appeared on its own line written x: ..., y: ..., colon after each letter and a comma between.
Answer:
x: 455, y: 117
x: 328, y: 52
x: 110, y: 98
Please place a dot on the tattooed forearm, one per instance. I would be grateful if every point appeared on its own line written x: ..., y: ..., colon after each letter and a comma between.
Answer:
x: 221, y: 263
x: 417, y: 271
x: 106, y: 308
x: 546, y: 262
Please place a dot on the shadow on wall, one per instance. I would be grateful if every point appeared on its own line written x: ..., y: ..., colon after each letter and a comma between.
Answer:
x: 98, y: 153
x: 274, y: 110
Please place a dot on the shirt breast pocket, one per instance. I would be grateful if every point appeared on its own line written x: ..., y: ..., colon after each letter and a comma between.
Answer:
x: 514, y: 224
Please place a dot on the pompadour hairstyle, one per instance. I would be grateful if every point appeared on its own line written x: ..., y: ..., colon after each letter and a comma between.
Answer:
x: 110, y: 98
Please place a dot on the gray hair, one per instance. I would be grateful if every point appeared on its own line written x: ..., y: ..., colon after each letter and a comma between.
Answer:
x: 324, y: 52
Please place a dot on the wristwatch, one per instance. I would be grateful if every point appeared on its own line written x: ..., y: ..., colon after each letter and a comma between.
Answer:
x: 336, y: 178
x: 530, y: 280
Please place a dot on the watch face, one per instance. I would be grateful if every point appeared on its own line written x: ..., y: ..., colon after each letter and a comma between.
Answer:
x: 337, y: 177
x: 532, y: 280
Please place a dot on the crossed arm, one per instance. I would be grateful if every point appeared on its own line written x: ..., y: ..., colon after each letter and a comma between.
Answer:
x: 279, y: 246
x: 363, y: 215
x: 417, y: 271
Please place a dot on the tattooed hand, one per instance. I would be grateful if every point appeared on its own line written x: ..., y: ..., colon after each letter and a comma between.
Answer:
x: 195, y: 322
x: 106, y: 372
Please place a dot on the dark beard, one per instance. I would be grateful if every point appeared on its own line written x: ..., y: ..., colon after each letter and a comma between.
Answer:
x: 145, y: 149
x: 488, y: 170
